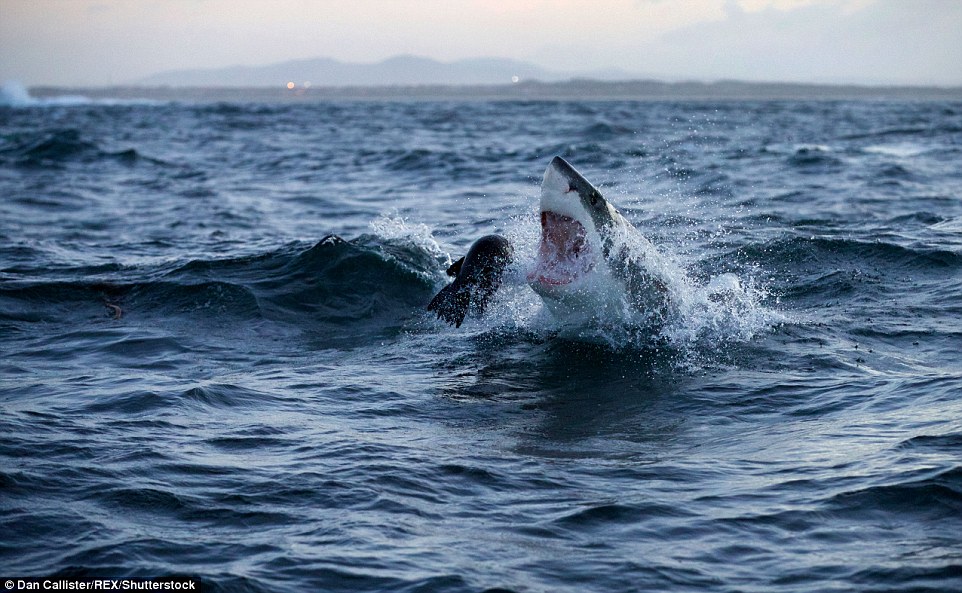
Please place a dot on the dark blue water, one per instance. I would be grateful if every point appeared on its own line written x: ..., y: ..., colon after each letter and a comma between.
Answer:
x: 195, y: 381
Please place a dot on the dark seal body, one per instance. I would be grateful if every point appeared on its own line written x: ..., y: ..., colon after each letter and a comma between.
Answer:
x: 477, y: 278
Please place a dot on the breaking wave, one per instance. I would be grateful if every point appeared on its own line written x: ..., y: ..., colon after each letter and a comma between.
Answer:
x: 15, y: 94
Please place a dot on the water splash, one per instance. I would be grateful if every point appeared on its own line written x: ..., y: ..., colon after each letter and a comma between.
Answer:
x: 14, y: 94
x: 722, y: 309
x: 393, y: 234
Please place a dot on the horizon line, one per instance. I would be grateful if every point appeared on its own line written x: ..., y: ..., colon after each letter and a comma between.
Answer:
x: 308, y: 87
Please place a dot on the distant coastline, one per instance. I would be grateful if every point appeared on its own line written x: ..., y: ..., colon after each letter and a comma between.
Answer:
x: 581, y: 89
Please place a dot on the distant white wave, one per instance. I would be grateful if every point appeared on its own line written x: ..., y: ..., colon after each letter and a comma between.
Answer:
x: 15, y: 94
x: 901, y: 150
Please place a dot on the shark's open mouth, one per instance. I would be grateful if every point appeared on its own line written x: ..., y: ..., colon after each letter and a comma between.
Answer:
x: 564, y: 254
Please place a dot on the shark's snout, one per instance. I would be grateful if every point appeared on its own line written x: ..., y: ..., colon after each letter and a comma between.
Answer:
x: 555, y: 181
x: 566, y: 175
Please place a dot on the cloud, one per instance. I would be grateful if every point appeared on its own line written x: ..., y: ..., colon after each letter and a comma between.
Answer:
x: 116, y: 41
x: 889, y: 41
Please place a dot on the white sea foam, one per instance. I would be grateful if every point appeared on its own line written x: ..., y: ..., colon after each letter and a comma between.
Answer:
x: 14, y: 94
x: 394, y: 227
x: 415, y: 238
x: 900, y: 150
x: 725, y: 309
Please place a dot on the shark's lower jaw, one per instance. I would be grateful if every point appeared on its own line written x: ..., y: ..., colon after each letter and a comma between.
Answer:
x: 564, y: 255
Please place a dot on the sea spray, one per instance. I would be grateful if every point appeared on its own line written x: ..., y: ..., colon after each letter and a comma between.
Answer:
x: 412, y: 243
x: 705, y: 313
x: 14, y: 94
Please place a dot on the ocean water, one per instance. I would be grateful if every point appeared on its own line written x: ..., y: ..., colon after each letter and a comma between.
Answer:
x: 215, y: 358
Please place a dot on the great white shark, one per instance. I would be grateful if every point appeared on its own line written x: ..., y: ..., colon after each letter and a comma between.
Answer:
x: 591, y: 265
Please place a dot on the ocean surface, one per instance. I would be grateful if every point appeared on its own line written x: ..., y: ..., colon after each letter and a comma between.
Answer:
x: 215, y: 358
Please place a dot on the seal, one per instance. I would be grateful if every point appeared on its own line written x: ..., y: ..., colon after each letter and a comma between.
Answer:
x: 477, y: 278
x: 591, y: 261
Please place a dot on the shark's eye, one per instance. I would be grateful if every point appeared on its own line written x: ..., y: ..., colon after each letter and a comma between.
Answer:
x: 594, y: 199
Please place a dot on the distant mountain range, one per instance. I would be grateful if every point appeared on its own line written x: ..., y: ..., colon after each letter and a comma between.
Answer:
x: 399, y: 70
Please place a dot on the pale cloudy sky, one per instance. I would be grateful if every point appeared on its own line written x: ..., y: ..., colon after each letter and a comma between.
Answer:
x: 94, y: 42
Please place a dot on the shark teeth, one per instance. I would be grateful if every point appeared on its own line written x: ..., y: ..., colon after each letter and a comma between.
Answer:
x: 564, y: 254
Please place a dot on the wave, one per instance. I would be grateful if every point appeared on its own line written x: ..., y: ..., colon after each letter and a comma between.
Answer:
x: 14, y: 94
x: 600, y: 131
x: 893, y: 174
x: 344, y: 284
x: 815, y: 158
x: 827, y: 254
x: 800, y: 271
x: 903, y: 131
x: 421, y: 159
x: 943, y: 443
x: 335, y: 290
x: 54, y: 147
x: 903, y: 150
x: 938, y: 497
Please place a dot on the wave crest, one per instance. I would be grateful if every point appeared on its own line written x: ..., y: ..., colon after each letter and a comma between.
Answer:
x: 14, y: 94
x: 335, y: 290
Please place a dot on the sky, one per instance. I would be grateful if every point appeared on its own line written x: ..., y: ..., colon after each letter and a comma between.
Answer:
x: 107, y: 42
